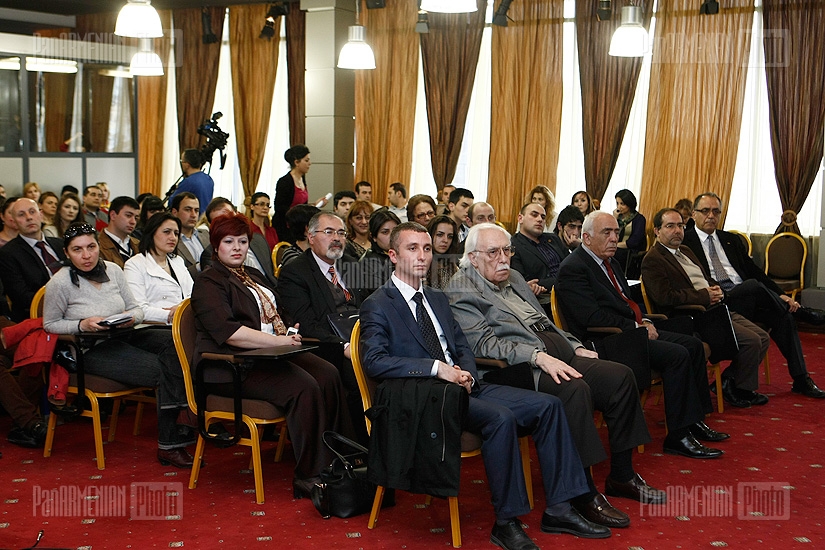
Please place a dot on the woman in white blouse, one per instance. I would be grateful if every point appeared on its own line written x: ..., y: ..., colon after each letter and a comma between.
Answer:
x: 158, y: 277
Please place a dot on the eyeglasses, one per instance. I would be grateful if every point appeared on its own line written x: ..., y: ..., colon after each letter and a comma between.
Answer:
x: 706, y: 211
x: 78, y: 229
x: 672, y: 225
x: 493, y: 253
x: 328, y: 232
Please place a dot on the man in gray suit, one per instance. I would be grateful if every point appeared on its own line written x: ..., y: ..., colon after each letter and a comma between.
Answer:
x: 186, y: 207
x: 503, y: 320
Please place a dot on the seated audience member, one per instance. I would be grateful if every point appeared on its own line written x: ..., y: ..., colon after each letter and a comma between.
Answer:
x: 104, y: 201
x: 195, y: 180
x: 92, y: 214
x: 149, y: 206
x: 28, y: 261
x: 685, y: 209
x: 68, y: 212
x: 503, y: 320
x: 69, y: 189
x: 7, y: 223
x: 116, y: 244
x: 297, y: 219
x: 48, y: 206
x: 260, y: 206
x: 420, y: 209
x: 632, y: 233
x: 186, y: 208
x: 458, y: 209
x: 375, y: 266
x: 157, y: 277
x: 32, y: 191
x: 673, y: 276
x: 537, y: 254
x: 358, y: 229
x: 569, y: 226
x: 408, y: 331
x: 258, y: 255
x: 748, y: 291
x: 142, y: 197
x: 542, y: 195
x: 481, y: 212
x: 442, y: 232
x: 583, y: 201
x: 593, y: 292
x: 2, y: 192
x: 444, y: 199
x: 235, y: 308
x: 363, y: 192
x: 342, y: 202
x: 83, y: 294
x: 315, y: 286
x: 397, y: 200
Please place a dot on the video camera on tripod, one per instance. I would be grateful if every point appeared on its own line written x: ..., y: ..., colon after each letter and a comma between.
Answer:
x: 215, y: 139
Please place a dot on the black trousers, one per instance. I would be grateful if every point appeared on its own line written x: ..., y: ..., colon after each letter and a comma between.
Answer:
x: 754, y: 301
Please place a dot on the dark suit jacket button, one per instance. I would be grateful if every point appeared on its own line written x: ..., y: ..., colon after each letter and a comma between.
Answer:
x: 433, y: 435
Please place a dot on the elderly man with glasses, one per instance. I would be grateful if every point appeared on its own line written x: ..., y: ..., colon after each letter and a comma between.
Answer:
x: 503, y: 320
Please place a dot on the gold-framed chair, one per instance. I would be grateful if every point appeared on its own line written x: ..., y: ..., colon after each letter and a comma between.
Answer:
x: 746, y: 240
x: 470, y: 443
x: 785, y: 256
x: 94, y: 388
x: 255, y: 412
x: 278, y: 255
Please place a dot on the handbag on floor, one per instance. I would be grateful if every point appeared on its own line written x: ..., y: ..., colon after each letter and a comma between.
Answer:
x: 344, y: 490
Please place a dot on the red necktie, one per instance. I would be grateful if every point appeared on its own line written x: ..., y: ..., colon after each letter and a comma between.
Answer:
x: 633, y: 305
x: 347, y: 295
x: 51, y: 262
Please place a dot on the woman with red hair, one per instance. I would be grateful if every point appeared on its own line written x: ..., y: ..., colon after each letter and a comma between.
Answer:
x: 236, y: 309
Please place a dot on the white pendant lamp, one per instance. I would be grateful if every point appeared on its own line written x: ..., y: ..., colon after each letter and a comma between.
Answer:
x: 631, y: 39
x: 138, y: 19
x: 449, y: 6
x: 356, y: 53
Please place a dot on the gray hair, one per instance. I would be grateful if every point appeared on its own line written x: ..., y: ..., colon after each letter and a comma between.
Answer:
x: 315, y: 221
x: 590, y: 220
x: 472, y: 240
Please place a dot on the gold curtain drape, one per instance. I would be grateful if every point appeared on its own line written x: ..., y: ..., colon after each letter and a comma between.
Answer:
x: 608, y: 87
x: 449, y: 53
x: 385, y: 98
x: 526, y: 104
x: 296, y: 44
x: 795, y: 69
x: 694, y: 113
x: 254, y: 65
x: 196, y: 74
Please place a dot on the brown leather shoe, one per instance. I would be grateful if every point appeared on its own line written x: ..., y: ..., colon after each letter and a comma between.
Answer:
x: 600, y: 511
x: 635, y: 489
x: 179, y: 458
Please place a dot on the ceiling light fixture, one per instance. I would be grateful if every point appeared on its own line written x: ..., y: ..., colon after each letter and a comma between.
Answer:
x: 631, y: 38
x: 709, y: 7
x: 449, y: 6
x: 605, y: 10
x: 356, y: 53
x: 500, y: 18
x: 422, y: 26
x: 138, y: 19
x: 209, y: 37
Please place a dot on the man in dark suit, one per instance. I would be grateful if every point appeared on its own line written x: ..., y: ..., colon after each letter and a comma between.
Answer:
x: 116, y: 243
x: 537, y: 254
x: 593, y: 292
x: 407, y: 333
x: 193, y: 241
x: 28, y: 261
x: 748, y: 290
x: 673, y: 276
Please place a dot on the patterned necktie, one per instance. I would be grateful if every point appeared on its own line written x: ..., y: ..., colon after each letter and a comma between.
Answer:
x: 425, y: 324
x: 51, y: 262
x: 637, y: 312
x: 125, y: 253
x: 334, y: 278
x: 719, y: 272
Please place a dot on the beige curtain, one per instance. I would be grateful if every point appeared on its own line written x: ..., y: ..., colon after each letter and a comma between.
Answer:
x: 694, y: 113
x: 254, y: 64
x: 526, y: 104
x: 385, y: 98
x: 196, y: 73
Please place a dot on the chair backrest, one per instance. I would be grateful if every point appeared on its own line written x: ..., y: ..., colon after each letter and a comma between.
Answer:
x: 36, y: 309
x: 366, y: 385
x: 558, y: 317
x: 277, y: 256
x: 785, y: 257
x: 645, y: 298
x: 184, y: 335
x: 745, y: 240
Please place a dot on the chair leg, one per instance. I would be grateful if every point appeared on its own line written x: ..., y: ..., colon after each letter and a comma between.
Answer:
x: 255, y: 440
x: 196, y: 466
x: 138, y: 418
x: 376, y: 506
x: 524, y: 447
x: 455, y: 522
x: 101, y: 461
x: 767, y: 363
x: 47, y: 447
x: 428, y: 500
x: 113, y: 420
x: 717, y: 373
x: 279, y: 450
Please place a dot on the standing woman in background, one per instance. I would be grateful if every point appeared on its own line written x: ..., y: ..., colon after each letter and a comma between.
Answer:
x: 291, y: 189
x: 259, y: 205
x: 632, y: 237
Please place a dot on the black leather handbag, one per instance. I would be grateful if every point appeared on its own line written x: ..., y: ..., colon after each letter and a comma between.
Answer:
x: 344, y: 490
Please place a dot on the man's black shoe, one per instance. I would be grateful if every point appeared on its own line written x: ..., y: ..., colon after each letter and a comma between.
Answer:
x: 689, y: 447
x: 574, y: 524
x: 511, y: 536
x: 703, y: 432
x: 810, y: 315
x: 600, y: 511
x: 754, y: 398
x: 807, y: 388
x: 23, y: 438
x: 731, y: 395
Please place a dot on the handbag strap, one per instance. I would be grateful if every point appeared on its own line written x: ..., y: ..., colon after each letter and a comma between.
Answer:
x: 329, y: 435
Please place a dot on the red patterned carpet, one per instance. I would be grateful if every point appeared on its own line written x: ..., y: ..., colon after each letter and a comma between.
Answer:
x: 764, y: 493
